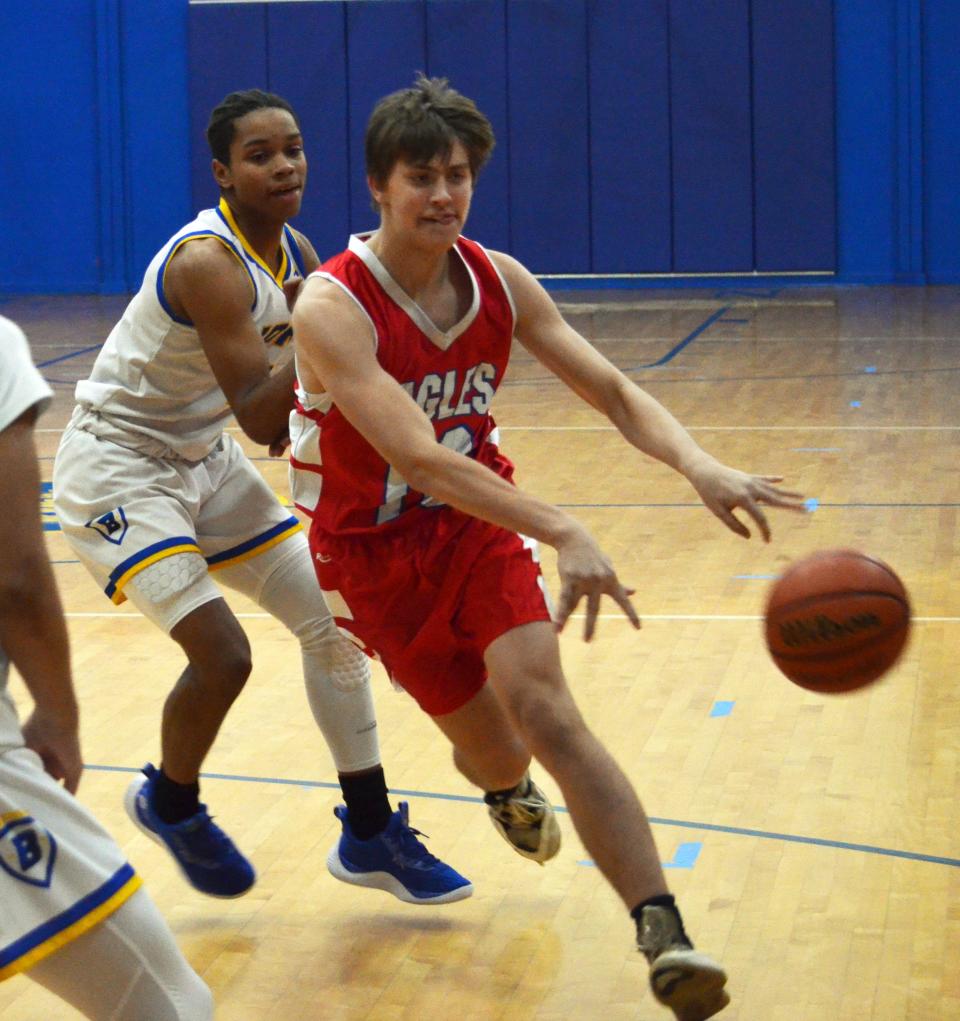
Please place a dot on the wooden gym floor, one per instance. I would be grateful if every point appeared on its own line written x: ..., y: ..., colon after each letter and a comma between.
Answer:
x: 813, y: 842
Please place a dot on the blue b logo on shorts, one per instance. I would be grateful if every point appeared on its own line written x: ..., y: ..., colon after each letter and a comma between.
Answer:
x: 112, y: 525
x: 27, y: 851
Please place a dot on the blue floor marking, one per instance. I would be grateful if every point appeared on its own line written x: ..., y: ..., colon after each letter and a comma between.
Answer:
x: 855, y: 404
x: 811, y: 504
x: 737, y: 831
x: 870, y: 368
x: 685, y: 857
x: 722, y: 708
x: 674, y: 351
x: 73, y: 354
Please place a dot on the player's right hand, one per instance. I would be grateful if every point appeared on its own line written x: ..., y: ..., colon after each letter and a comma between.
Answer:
x: 585, y: 570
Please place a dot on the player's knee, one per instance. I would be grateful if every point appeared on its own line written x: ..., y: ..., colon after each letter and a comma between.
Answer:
x: 545, y: 720
x: 222, y: 672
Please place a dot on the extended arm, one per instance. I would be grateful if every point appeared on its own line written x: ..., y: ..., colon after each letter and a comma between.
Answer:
x: 642, y: 420
x: 32, y: 628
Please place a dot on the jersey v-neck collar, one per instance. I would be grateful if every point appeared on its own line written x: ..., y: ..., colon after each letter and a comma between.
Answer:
x: 227, y: 213
x: 441, y: 338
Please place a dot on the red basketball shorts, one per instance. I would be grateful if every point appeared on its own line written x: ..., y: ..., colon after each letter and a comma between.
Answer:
x: 429, y: 596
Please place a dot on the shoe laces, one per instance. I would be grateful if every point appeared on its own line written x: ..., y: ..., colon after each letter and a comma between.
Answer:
x: 202, y: 833
x: 407, y: 845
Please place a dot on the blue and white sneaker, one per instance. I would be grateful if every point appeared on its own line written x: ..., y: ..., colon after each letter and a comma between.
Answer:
x: 206, y: 855
x: 395, y: 861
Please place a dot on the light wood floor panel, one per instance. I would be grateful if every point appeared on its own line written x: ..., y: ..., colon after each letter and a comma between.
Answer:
x: 818, y: 837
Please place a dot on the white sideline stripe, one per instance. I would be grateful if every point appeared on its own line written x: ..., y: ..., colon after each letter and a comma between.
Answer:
x: 602, y: 616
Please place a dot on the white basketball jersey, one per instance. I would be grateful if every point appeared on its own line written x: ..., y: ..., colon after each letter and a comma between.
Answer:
x: 152, y: 376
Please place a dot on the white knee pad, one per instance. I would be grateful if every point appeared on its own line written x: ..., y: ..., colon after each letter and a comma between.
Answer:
x: 336, y: 673
x: 166, y: 591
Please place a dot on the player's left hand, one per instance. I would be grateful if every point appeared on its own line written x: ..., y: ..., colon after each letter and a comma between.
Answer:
x: 58, y: 746
x: 724, y: 490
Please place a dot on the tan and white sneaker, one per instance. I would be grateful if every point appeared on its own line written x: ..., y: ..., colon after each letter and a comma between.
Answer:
x: 526, y: 820
x: 689, y: 983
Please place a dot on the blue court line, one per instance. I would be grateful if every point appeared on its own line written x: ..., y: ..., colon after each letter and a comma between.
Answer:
x: 689, y: 339
x: 722, y: 708
x: 737, y: 831
x: 73, y: 354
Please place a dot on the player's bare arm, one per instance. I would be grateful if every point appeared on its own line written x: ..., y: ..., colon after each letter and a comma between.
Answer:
x: 206, y: 284
x: 32, y: 629
x: 642, y: 420
x: 335, y: 353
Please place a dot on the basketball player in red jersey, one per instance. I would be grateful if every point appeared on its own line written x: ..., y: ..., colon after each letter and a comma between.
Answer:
x: 418, y: 532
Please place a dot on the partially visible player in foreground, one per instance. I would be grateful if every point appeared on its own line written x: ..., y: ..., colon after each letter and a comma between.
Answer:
x: 73, y: 914
x: 418, y: 532
x: 152, y: 495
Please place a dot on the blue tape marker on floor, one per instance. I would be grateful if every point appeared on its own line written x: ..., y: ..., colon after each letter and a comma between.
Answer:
x: 721, y: 708
x: 812, y: 503
x: 854, y: 404
x: 870, y: 368
x: 686, y: 856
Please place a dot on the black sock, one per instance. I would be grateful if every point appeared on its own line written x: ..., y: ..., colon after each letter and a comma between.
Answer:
x: 174, y: 802
x: 662, y: 900
x: 368, y: 808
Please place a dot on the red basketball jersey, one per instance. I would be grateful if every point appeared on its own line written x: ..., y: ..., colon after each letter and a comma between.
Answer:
x: 337, y: 477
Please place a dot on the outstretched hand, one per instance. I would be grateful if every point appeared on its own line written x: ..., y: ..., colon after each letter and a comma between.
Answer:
x: 585, y: 571
x: 724, y: 490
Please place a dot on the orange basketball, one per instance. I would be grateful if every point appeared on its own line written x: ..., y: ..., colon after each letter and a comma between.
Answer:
x: 836, y: 620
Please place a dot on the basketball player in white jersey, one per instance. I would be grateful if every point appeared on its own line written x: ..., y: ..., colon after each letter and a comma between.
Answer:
x: 73, y: 915
x: 401, y: 342
x: 153, y: 496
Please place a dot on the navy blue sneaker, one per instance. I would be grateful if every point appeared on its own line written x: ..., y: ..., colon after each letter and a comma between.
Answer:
x: 395, y: 861
x: 205, y: 854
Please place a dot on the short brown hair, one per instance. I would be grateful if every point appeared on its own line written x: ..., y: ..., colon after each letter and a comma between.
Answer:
x: 422, y: 122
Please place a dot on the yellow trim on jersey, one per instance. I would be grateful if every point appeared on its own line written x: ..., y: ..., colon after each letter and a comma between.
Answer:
x: 118, y: 596
x: 269, y: 544
x: 281, y: 273
x: 79, y: 927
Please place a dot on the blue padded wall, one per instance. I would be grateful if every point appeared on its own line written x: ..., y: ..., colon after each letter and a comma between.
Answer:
x: 549, y: 135
x: 710, y: 123
x: 630, y: 210
x: 793, y: 150
x: 634, y: 136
